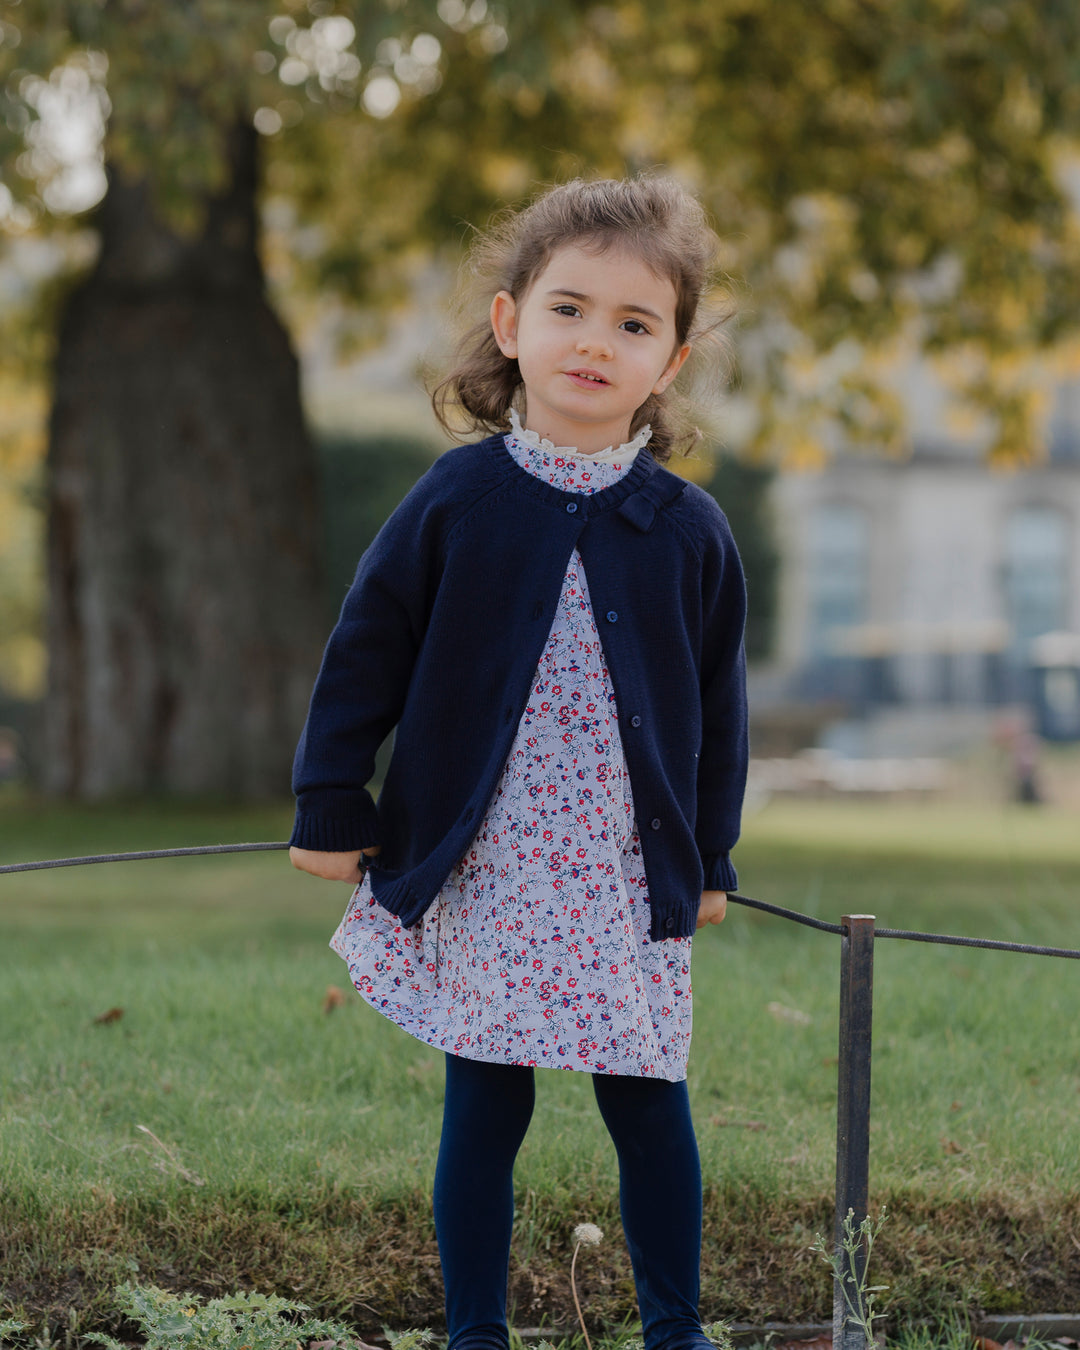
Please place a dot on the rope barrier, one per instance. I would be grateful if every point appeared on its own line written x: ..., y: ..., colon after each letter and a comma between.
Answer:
x: 907, y: 934
x: 992, y: 943
x: 747, y: 901
x: 792, y: 914
x: 138, y: 857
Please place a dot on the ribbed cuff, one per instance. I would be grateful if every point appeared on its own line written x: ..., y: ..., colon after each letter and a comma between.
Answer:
x: 675, y: 923
x: 334, y: 822
x: 719, y: 873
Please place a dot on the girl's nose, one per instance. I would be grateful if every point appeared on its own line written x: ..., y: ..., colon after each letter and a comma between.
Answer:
x: 595, y: 344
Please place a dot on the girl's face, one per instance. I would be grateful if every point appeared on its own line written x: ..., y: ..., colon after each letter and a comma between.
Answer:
x: 593, y: 336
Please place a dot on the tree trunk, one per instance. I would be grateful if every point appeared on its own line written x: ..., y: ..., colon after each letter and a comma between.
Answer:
x: 185, y: 615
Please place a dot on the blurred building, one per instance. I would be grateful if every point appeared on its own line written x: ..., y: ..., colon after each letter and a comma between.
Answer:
x: 928, y: 582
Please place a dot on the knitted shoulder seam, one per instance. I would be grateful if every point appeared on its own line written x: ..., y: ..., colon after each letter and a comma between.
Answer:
x: 694, y: 501
x: 673, y: 513
x: 481, y: 490
x: 486, y: 501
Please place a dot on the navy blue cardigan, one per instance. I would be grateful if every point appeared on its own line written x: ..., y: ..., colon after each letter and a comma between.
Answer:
x: 440, y: 636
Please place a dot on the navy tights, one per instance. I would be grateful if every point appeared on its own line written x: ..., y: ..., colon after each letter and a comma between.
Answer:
x: 486, y: 1115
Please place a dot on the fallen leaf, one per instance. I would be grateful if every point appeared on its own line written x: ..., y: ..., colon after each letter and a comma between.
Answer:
x: 113, y: 1015
x: 951, y: 1146
x: 955, y: 1106
x: 334, y: 998
x: 783, y: 1013
x: 984, y: 1342
x: 822, y: 1342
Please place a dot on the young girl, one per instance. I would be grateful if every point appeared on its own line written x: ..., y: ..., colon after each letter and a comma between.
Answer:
x: 553, y: 623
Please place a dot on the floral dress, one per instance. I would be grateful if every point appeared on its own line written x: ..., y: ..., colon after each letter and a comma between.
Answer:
x: 536, y: 950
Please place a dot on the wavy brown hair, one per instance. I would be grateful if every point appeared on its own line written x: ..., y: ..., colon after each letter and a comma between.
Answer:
x: 650, y: 215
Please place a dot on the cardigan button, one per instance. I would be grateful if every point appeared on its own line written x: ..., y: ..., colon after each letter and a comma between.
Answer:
x: 635, y: 721
x: 669, y: 923
x: 612, y: 616
x: 571, y: 507
x: 655, y: 822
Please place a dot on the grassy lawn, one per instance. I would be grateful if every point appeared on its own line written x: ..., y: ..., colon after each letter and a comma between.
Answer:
x: 293, y: 1149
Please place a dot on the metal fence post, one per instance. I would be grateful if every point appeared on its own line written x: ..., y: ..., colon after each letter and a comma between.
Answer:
x: 853, y: 1109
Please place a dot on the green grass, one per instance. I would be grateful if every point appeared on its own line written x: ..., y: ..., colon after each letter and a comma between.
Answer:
x: 297, y: 1148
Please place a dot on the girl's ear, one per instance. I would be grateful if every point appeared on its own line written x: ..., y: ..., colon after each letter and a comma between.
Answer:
x: 504, y: 323
x: 673, y: 369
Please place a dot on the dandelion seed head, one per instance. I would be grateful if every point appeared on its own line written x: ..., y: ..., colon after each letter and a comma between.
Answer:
x: 588, y: 1234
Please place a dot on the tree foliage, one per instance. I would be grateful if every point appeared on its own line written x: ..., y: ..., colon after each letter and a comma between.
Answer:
x: 887, y: 175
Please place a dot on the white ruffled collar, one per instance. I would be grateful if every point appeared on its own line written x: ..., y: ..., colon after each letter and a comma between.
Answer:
x: 614, y: 454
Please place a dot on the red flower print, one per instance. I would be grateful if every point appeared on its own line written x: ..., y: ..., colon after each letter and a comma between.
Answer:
x: 563, y: 780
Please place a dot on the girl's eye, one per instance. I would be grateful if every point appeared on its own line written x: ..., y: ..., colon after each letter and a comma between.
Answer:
x: 634, y: 326
x: 570, y: 310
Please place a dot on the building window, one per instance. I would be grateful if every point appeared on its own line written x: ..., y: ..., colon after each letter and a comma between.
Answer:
x: 837, y: 574
x: 1036, y: 574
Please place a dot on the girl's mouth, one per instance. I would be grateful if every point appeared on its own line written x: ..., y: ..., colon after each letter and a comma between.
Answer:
x: 588, y: 379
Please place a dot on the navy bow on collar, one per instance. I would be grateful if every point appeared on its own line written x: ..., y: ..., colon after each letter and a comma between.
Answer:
x: 658, y: 490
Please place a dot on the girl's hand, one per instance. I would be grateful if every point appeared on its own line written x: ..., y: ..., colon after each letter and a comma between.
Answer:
x: 713, y: 907
x: 331, y: 866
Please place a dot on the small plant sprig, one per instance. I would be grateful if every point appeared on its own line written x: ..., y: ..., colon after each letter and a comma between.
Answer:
x: 238, y: 1322
x: 585, y: 1235
x: 859, y: 1296
x: 413, y: 1339
x: 720, y: 1335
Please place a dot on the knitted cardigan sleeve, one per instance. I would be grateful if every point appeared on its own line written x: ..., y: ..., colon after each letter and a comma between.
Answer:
x: 364, y: 678
x: 724, y: 747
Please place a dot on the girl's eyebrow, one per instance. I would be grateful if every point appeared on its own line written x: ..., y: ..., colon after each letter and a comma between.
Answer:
x: 630, y: 308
